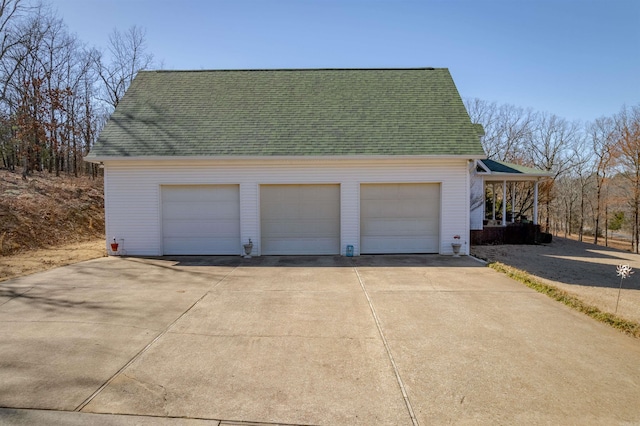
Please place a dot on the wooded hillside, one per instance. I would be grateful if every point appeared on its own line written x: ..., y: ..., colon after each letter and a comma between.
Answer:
x: 595, y: 166
x: 56, y: 94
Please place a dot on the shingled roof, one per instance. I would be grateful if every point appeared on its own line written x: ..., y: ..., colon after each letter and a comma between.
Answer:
x: 315, y: 112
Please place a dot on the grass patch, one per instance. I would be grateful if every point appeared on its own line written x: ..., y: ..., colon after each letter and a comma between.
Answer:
x: 631, y: 328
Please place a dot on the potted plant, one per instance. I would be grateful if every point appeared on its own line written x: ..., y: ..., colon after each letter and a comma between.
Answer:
x: 114, y: 246
x: 455, y: 245
x: 247, y: 249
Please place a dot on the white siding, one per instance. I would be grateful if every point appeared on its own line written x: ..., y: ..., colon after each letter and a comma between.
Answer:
x: 350, y: 217
x: 132, y: 191
x: 249, y: 217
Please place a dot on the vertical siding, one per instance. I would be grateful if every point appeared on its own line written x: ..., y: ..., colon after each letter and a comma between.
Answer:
x: 350, y: 217
x: 454, y: 208
x: 133, y: 211
x: 133, y: 206
x: 249, y: 216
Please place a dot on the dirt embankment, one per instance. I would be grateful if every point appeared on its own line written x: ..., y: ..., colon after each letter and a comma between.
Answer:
x: 46, y: 211
x: 48, y: 221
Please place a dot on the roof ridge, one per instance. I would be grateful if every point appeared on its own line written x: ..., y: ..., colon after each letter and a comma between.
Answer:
x: 297, y: 69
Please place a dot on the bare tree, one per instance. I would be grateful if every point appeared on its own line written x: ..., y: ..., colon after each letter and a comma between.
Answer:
x: 581, y: 174
x: 549, y: 149
x: 627, y: 127
x: 128, y: 54
x: 507, y: 128
x: 11, y: 12
x: 603, y: 144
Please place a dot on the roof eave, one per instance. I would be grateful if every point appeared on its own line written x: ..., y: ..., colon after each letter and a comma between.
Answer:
x: 501, y: 176
x: 103, y: 159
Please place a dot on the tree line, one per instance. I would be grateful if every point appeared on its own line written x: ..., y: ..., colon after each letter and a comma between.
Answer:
x: 595, y: 166
x: 56, y: 92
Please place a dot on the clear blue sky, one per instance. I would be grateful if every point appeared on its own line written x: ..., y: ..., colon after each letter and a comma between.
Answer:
x: 579, y: 59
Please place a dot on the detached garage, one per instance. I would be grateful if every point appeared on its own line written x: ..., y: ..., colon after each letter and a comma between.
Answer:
x: 308, y: 162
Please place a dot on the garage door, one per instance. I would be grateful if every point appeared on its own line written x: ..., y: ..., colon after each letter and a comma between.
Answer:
x: 300, y: 219
x: 201, y: 219
x: 399, y: 218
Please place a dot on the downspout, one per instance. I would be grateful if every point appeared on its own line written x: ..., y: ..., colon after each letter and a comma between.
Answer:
x: 467, y: 242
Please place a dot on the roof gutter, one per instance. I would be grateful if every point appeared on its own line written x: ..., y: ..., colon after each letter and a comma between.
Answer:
x: 104, y: 159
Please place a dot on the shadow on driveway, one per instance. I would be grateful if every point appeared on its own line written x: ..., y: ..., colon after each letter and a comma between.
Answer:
x: 566, y: 261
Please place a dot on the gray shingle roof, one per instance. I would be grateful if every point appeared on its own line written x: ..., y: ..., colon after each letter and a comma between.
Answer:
x: 316, y: 112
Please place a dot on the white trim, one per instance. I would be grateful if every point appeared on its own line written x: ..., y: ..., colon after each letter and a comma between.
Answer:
x: 467, y: 220
x: 504, y: 203
x: 535, y: 203
x: 513, y: 202
x: 231, y: 158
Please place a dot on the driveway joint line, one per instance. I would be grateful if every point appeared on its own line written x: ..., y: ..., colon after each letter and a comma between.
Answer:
x: 405, y: 396
x: 148, y: 346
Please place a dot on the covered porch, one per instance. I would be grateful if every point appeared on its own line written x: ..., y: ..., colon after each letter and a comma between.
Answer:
x: 504, y: 203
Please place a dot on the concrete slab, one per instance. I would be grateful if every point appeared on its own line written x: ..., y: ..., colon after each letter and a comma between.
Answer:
x: 281, y: 313
x: 292, y: 340
x: 293, y: 380
x: 18, y: 417
x: 284, y: 344
x: 78, y: 325
x: 504, y: 355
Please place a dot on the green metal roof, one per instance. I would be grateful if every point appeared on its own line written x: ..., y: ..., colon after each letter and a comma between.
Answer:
x: 315, y: 112
x: 502, y: 167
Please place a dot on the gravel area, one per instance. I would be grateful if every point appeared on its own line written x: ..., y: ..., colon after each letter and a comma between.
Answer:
x: 582, y: 269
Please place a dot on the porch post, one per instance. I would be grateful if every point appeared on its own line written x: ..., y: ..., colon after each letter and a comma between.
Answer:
x: 513, y: 202
x: 535, y: 203
x: 493, y: 208
x: 504, y: 203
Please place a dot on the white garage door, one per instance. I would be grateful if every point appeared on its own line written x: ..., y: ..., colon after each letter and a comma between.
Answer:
x: 399, y: 218
x: 300, y: 219
x: 201, y: 219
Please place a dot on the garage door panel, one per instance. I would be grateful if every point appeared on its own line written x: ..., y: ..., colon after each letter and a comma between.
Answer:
x: 398, y: 227
x: 321, y: 246
x: 399, y: 218
x: 200, y: 219
x: 201, y: 210
x: 201, y: 245
x: 405, y: 209
x: 185, y: 228
x: 309, y: 228
x: 300, y: 219
x: 319, y: 210
x: 408, y: 244
x: 189, y: 193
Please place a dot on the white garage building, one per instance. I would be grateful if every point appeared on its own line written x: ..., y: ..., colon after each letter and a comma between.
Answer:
x: 302, y: 162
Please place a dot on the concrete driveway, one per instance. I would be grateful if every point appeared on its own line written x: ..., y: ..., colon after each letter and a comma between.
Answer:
x: 393, y: 340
